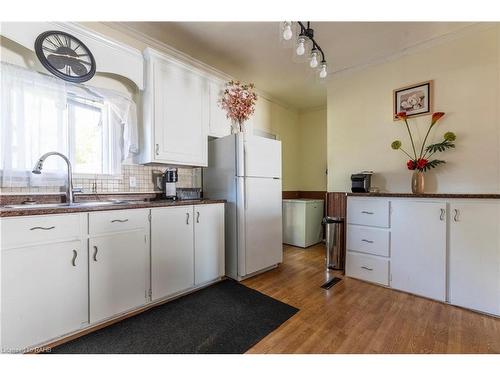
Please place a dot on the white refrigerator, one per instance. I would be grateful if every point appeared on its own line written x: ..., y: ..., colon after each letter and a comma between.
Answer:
x: 245, y: 170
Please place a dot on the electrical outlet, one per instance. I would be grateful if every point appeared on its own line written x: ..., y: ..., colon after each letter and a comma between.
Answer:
x: 132, y: 182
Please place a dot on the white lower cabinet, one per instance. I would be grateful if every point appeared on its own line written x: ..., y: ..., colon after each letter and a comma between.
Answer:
x: 118, y: 273
x: 44, y: 293
x: 172, y: 250
x: 474, y: 258
x: 418, y: 249
x: 208, y: 242
x: 63, y: 273
x: 444, y: 249
x: 187, y: 247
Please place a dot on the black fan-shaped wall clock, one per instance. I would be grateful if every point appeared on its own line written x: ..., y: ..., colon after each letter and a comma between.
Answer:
x: 65, y: 56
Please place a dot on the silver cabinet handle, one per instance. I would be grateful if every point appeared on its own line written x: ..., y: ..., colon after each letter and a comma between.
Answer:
x: 157, y: 149
x: 455, y: 217
x: 119, y: 221
x: 197, y: 216
x: 73, y: 261
x: 367, y: 241
x: 187, y: 218
x: 367, y: 268
x: 95, y: 253
x: 42, y: 228
x: 367, y: 212
x: 443, y: 212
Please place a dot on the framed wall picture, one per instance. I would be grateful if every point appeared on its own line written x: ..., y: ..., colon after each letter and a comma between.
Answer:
x: 415, y: 100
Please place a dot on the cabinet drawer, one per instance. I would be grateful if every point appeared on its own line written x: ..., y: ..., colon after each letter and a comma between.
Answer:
x: 372, y: 212
x: 368, y: 240
x: 26, y: 230
x: 117, y: 220
x: 367, y: 267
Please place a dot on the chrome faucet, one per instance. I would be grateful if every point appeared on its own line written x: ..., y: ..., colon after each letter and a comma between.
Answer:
x: 37, y: 169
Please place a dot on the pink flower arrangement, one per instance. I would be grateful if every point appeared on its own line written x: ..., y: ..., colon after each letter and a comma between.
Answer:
x: 238, y: 100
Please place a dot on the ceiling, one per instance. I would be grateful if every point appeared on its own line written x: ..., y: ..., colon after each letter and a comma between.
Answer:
x: 254, y: 51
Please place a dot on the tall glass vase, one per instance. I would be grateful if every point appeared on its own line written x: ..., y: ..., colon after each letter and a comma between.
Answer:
x: 417, y: 182
x: 238, y: 127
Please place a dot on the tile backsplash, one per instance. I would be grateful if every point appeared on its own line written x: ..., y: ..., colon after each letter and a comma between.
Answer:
x: 188, y: 178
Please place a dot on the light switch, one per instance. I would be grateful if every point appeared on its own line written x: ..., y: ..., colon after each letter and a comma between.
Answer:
x: 132, y: 182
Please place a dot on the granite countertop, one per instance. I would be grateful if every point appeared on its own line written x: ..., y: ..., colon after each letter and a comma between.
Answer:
x: 33, y: 210
x: 426, y: 195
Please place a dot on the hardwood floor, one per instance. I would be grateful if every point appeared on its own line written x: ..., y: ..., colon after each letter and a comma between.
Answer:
x: 358, y: 317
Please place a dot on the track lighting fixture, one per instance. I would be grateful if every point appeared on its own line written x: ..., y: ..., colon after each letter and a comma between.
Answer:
x: 307, y: 34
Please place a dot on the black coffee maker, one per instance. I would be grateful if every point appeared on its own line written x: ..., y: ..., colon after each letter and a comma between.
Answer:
x: 361, y: 182
x: 168, y: 183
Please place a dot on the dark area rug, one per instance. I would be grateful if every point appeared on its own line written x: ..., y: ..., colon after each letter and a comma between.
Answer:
x: 226, y: 317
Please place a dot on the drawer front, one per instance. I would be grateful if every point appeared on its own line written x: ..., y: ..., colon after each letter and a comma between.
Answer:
x: 367, y: 267
x: 19, y: 231
x: 372, y: 212
x: 368, y: 240
x: 117, y: 220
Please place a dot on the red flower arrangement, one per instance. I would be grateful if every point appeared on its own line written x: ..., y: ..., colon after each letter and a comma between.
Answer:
x: 421, y: 161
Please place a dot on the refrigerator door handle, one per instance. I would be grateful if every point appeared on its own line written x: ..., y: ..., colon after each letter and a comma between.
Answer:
x: 244, y: 158
x: 245, y: 193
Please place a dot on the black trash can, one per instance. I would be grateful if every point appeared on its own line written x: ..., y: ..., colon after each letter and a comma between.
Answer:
x: 335, y: 257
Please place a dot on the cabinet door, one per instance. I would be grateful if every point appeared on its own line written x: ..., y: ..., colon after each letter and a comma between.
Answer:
x: 172, y: 250
x: 44, y: 293
x: 180, y: 115
x: 474, y: 265
x: 118, y: 273
x: 208, y: 242
x: 219, y: 124
x: 418, y: 254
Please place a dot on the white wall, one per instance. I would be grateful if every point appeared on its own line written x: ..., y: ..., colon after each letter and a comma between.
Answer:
x: 465, y: 70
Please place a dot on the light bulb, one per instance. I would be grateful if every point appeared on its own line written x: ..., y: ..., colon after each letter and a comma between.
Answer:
x: 314, y: 60
x: 301, y: 49
x: 287, y: 31
x: 323, y: 73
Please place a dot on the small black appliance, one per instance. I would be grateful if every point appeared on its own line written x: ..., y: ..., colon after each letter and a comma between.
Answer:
x: 170, y: 178
x: 361, y: 182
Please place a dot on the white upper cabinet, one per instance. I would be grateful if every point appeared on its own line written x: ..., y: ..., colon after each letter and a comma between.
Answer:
x: 219, y: 124
x: 418, y: 251
x: 175, y: 113
x: 474, y: 260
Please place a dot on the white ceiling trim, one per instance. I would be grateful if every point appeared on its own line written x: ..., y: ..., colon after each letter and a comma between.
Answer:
x: 417, y: 48
x: 184, y: 57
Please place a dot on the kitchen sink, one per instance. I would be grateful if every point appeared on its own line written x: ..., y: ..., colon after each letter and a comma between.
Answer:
x: 62, y: 205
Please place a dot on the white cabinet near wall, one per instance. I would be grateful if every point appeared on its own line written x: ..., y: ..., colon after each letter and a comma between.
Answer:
x: 474, y: 258
x: 418, y: 248
x: 175, y: 110
x: 44, y: 279
x: 208, y: 242
x: 219, y: 125
x: 172, y: 250
x: 187, y: 248
x: 118, y: 264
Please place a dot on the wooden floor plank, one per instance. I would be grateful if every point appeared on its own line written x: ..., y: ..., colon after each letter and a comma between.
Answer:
x: 358, y: 317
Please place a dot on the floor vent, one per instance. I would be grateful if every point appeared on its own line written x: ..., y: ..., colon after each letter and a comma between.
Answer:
x: 331, y: 283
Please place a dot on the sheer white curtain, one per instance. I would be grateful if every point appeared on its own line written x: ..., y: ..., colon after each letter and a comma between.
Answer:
x: 34, y: 120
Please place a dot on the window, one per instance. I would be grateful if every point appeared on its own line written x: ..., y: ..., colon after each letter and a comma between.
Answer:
x: 90, y: 139
x: 95, y: 128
